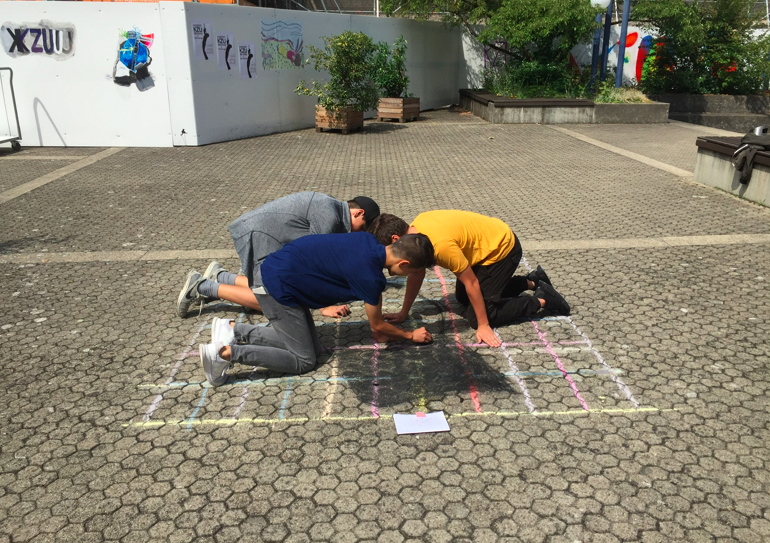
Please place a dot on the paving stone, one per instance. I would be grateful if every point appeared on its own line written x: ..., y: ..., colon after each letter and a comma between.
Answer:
x: 87, y: 348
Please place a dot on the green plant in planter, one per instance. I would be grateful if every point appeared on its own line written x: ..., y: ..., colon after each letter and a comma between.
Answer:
x: 388, y: 68
x: 346, y: 58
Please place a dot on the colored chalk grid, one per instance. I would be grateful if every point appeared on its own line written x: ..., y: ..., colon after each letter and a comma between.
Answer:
x: 544, y: 366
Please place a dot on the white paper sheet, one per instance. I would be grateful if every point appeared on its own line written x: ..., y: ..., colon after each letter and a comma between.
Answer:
x: 421, y: 423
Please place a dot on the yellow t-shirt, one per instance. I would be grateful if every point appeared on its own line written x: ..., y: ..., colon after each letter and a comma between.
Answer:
x: 462, y: 238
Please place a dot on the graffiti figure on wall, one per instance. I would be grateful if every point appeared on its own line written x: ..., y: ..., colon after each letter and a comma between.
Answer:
x: 133, y: 60
x: 281, y: 45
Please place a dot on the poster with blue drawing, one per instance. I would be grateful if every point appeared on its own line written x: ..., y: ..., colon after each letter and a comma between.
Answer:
x: 281, y: 45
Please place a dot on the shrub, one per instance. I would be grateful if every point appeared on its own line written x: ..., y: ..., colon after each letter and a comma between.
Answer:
x: 535, y: 79
x: 388, y: 67
x: 346, y: 58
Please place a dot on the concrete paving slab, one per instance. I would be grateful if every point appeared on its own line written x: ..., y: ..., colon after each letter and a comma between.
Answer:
x: 669, y: 143
x: 15, y: 173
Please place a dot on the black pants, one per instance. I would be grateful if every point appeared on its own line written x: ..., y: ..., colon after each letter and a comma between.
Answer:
x: 501, y: 292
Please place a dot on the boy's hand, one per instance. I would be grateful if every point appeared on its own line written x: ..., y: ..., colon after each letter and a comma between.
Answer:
x: 485, y: 334
x: 394, y: 318
x: 421, y: 335
x: 335, y: 311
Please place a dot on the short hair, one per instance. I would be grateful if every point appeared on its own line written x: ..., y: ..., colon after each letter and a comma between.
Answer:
x: 386, y: 226
x: 417, y: 249
x: 352, y: 204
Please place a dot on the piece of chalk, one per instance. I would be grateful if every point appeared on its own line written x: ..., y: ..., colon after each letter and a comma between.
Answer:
x: 420, y: 415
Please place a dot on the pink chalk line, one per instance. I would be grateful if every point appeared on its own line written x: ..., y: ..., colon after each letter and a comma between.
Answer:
x: 556, y: 358
x: 458, y: 343
x: 519, y: 381
x: 181, y: 358
x: 375, y: 384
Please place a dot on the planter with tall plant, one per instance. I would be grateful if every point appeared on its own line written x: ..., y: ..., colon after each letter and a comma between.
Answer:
x: 389, y: 73
x: 350, y: 90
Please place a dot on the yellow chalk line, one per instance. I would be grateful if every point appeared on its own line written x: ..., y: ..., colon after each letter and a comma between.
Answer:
x: 224, y: 422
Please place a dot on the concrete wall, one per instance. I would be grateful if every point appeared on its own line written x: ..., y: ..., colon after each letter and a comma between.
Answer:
x: 71, y: 99
x: 716, y: 170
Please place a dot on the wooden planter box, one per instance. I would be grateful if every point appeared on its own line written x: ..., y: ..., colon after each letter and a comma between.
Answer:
x: 402, y: 109
x: 346, y: 120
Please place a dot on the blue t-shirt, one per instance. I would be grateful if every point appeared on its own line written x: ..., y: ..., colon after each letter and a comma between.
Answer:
x: 320, y: 270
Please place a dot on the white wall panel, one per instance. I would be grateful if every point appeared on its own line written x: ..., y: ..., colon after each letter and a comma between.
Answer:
x: 73, y: 101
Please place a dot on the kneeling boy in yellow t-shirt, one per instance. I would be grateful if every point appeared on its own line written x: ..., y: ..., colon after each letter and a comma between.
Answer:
x: 483, y: 253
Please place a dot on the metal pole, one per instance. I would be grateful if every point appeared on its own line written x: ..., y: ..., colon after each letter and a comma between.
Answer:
x: 606, y: 42
x: 595, y: 53
x: 767, y: 12
x: 622, y: 44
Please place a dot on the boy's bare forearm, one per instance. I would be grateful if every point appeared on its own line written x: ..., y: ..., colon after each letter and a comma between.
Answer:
x: 413, y: 285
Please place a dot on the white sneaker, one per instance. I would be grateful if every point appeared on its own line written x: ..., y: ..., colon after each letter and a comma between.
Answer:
x: 214, y: 366
x: 221, y: 332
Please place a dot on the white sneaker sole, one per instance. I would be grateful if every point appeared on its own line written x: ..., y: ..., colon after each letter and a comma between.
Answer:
x: 185, y: 288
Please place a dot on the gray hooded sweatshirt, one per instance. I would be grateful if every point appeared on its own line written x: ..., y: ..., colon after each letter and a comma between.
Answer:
x: 264, y: 230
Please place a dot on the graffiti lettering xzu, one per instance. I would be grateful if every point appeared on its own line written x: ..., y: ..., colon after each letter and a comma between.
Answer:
x: 133, y: 60
x: 45, y: 38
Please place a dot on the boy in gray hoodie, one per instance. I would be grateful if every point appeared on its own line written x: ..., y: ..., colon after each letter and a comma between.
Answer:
x: 264, y: 230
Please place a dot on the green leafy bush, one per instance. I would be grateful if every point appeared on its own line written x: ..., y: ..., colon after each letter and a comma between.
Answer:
x: 704, y: 48
x: 346, y: 58
x: 388, y: 67
x: 607, y: 93
x: 535, y: 79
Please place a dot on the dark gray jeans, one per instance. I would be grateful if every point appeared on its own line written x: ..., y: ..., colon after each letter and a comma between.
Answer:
x: 289, y: 345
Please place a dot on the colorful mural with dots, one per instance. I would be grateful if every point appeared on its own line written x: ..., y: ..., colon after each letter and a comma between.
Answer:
x: 281, y: 45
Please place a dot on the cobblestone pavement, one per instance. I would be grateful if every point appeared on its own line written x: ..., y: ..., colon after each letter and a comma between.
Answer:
x: 642, y: 417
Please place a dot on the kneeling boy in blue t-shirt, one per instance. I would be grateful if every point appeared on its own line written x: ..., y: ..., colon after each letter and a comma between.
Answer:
x: 309, y: 273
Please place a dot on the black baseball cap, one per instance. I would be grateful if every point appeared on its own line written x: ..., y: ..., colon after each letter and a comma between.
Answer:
x: 370, y: 207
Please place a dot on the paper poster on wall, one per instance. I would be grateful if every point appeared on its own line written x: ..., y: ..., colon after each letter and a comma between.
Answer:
x: 281, y: 45
x: 134, y: 59
x: 246, y: 63
x: 203, y: 43
x: 225, y: 51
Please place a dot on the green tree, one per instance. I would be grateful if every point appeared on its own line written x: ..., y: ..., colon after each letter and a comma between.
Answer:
x: 703, y: 47
x: 527, y: 30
